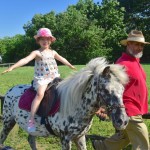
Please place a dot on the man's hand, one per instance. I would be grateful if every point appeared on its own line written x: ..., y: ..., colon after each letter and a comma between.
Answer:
x: 101, y: 113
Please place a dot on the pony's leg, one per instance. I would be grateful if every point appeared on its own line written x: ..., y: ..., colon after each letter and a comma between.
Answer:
x: 31, y: 140
x: 8, y: 124
x: 81, y: 143
x: 66, y: 144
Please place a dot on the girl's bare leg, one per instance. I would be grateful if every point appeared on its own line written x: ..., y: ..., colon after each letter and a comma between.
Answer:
x: 35, y: 105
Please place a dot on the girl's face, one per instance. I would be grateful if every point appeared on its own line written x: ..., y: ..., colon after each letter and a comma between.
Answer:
x: 44, y: 42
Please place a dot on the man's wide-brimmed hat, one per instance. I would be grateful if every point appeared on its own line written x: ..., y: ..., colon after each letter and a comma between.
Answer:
x: 136, y: 36
x: 44, y: 32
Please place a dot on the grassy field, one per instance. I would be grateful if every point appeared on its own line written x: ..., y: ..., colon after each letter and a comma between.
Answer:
x: 18, y: 138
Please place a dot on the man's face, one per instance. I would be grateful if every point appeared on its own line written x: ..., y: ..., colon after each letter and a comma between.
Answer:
x: 135, y: 49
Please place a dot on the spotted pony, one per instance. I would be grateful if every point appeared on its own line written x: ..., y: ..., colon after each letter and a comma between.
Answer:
x: 81, y: 94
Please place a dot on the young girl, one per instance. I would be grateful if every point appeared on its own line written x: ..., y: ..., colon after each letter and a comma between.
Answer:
x: 45, y: 69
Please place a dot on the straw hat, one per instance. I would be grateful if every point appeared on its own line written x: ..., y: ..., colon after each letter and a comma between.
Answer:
x: 136, y: 36
x: 44, y: 32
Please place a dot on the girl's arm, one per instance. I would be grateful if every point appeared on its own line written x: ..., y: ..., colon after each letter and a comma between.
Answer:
x: 22, y: 62
x: 63, y: 60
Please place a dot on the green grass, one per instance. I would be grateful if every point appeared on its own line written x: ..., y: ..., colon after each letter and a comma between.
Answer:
x: 18, y: 138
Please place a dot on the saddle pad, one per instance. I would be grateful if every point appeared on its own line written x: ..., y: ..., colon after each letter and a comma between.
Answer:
x: 27, y: 98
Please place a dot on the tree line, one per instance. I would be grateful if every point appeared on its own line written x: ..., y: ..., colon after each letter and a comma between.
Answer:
x: 84, y: 31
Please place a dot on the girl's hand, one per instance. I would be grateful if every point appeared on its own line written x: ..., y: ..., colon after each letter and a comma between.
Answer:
x: 8, y: 70
x: 72, y: 67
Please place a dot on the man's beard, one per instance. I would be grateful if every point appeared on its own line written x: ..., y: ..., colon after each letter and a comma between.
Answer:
x: 138, y: 55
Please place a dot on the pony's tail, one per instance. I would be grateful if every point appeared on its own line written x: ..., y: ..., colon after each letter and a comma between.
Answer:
x: 2, y: 97
x: 2, y: 102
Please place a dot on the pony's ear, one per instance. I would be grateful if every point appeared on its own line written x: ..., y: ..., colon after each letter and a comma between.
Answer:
x: 106, y: 72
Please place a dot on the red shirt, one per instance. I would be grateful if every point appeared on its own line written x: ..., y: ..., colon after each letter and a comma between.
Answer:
x: 135, y: 96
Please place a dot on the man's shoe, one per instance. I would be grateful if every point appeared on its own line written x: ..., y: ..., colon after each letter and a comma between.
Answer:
x: 98, y: 144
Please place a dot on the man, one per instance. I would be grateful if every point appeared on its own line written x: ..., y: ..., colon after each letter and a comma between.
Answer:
x: 135, y: 99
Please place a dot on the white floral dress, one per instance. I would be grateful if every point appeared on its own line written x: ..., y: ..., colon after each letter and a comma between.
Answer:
x: 45, y: 70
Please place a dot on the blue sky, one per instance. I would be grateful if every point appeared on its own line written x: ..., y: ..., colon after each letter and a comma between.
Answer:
x: 15, y: 13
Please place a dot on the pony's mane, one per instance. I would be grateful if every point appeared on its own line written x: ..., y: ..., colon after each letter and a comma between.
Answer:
x: 72, y: 88
x: 119, y: 72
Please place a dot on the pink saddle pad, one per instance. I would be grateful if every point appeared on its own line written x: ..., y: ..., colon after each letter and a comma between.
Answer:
x: 27, y: 98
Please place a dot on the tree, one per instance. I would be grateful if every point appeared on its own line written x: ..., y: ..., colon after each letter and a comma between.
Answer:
x: 79, y: 39
x: 84, y: 31
x: 2, y: 47
x: 38, y: 21
x: 16, y: 47
x: 110, y: 17
x: 137, y: 16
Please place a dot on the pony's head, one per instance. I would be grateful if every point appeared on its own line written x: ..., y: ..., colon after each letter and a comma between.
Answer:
x: 110, y: 87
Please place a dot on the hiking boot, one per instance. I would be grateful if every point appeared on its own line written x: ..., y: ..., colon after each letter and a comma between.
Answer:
x: 31, y: 126
x: 98, y: 144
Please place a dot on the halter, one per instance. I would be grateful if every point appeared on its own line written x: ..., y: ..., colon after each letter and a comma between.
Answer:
x: 112, y: 107
x: 109, y: 108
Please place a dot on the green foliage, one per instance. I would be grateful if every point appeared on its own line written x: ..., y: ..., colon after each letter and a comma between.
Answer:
x: 16, y: 47
x: 137, y: 16
x: 84, y: 31
x: 137, y: 13
x: 39, y: 21
x: 82, y: 41
x: 2, y: 47
x: 9, y: 44
x: 110, y: 17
